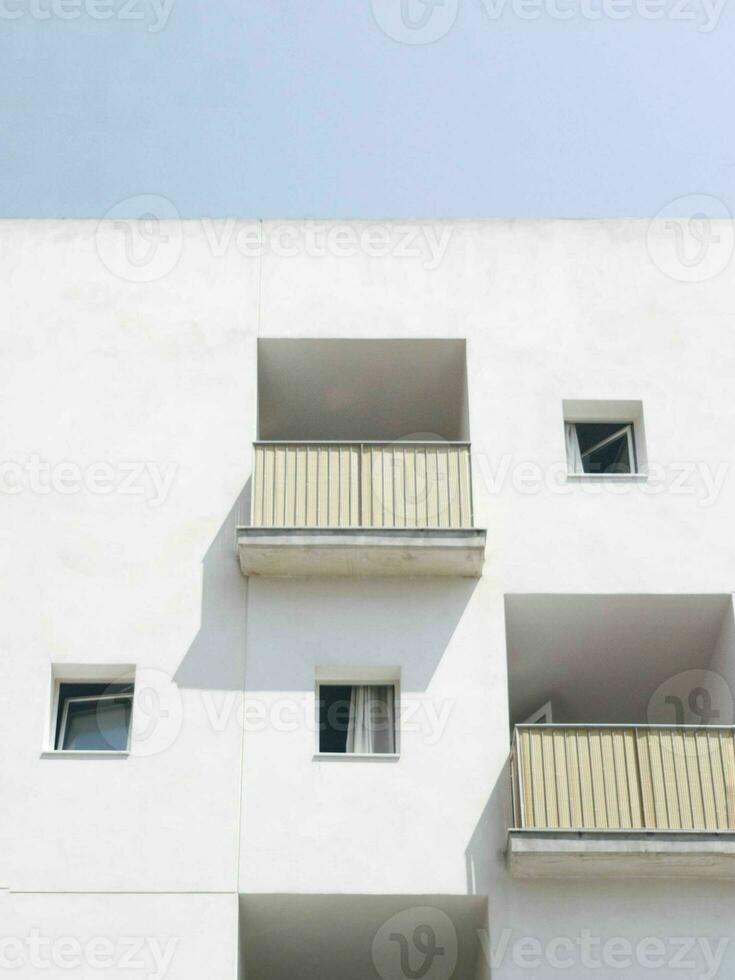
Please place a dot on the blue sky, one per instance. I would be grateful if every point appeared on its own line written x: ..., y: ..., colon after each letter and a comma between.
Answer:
x: 353, y: 108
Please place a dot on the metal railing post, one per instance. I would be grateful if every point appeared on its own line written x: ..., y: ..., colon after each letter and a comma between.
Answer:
x: 521, y: 787
x: 360, y: 515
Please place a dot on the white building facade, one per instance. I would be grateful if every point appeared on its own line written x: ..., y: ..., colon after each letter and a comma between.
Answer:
x: 476, y: 474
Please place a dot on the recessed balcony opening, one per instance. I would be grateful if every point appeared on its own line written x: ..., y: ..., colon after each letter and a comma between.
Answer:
x: 362, y: 464
x: 362, y: 390
x: 353, y: 937
x: 623, y: 745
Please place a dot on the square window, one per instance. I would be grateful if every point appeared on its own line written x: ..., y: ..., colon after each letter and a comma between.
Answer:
x: 93, y: 717
x: 357, y: 719
x: 605, y: 438
x: 600, y: 447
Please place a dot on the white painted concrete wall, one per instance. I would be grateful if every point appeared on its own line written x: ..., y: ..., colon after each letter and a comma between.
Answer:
x: 115, y: 935
x: 96, y: 368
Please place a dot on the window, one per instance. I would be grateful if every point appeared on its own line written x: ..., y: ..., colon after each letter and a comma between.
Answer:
x: 600, y: 447
x: 93, y: 717
x: 543, y: 716
x: 605, y: 438
x: 357, y: 719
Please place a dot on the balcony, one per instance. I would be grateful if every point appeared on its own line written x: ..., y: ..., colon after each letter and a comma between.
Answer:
x: 619, y: 801
x: 361, y: 508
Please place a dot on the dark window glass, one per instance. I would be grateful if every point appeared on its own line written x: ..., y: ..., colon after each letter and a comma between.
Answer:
x: 334, y: 716
x: 93, y: 717
x: 605, y: 447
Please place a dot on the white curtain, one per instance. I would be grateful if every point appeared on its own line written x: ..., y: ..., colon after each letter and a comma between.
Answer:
x: 371, y: 726
x: 574, y: 456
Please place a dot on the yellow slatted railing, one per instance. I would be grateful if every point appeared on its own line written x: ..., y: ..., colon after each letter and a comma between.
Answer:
x: 368, y: 485
x: 624, y: 777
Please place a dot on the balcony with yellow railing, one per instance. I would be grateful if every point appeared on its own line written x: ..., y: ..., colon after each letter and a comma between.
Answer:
x: 623, y: 800
x: 336, y: 508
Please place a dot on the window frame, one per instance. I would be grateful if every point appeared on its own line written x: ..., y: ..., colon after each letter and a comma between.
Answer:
x: 346, y: 680
x: 620, y: 412
x: 542, y: 716
x: 82, y: 674
x: 79, y: 699
x: 627, y: 427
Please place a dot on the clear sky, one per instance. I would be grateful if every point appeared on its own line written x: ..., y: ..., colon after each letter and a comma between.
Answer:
x: 366, y: 108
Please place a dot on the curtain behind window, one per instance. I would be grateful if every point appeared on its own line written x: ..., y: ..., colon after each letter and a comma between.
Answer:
x: 371, y: 725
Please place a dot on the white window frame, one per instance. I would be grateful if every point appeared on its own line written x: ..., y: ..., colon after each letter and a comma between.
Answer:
x: 543, y: 716
x: 81, y: 699
x: 618, y: 412
x: 80, y: 674
x: 350, y: 681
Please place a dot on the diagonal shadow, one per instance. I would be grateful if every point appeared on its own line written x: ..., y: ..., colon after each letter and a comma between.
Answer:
x: 215, y: 659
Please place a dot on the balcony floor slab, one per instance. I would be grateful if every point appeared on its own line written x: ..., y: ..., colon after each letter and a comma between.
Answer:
x: 360, y: 552
x: 621, y: 854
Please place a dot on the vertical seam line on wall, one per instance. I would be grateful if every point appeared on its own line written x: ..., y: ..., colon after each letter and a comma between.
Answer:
x: 241, y: 781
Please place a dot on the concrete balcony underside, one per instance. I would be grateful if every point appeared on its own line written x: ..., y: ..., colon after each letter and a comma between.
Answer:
x: 361, y: 551
x: 622, y: 854
x: 358, y: 937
